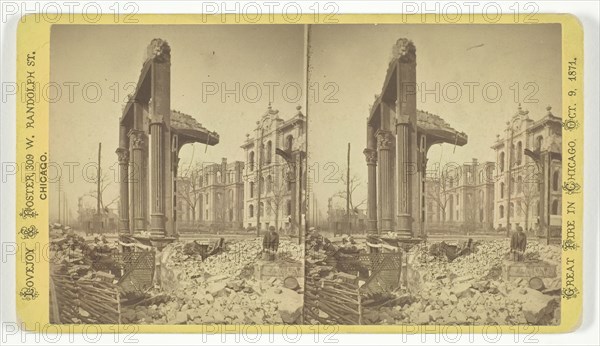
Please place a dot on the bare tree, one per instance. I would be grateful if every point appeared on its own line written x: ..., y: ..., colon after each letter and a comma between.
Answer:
x: 98, y: 193
x: 439, y: 193
x: 188, y: 188
x: 529, y: 192
x: 101, y: 181
x: 347, y: 194
x: 278, y: 192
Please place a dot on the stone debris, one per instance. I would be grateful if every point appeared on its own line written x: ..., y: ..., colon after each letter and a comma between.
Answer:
x: 78, y: 257
x: 222, y: 289
x: 470, y: 289
x: 84, y: 276
x: 456, y: 284
x: 289, y: 303
x: 538, y: 308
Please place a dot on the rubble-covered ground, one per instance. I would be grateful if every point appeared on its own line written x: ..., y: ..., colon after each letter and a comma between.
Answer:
x: 73, y: 255
x: 471, y: 290
x: 221, y: 289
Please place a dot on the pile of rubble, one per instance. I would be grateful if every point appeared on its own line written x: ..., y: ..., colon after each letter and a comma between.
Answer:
x: 487, y: 256
x: 471, y: 289
x: 222, y: 289
x: 73, y: 255
x: 80, y: 292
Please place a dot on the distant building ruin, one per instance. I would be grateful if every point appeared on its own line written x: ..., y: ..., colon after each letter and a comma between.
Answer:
x: 211, y: 197
x: 461, y: 198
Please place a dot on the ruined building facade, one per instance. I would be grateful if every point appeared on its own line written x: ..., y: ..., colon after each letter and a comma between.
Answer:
x: 461, y: 198
x: 398, y: 139
x: 151, y: 135
x: 211, y: 197
x: 273, y: 186
x: 526, y: 188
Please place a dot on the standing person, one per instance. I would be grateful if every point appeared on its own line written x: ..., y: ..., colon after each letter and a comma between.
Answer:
x: 518, y: 244
x: 291, y: 223
x: 270, y: 244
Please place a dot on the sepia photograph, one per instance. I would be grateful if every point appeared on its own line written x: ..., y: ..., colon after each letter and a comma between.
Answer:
x: 349, y: 174
x: 188, y: 146
x: 436, y: 175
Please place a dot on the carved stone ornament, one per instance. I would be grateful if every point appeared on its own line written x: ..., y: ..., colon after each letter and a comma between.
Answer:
x: 137, y: 139
x: 123, y: 155
x: 156, y: 118
x: 159, y: 50
x: 405, y: 50
x: 370, y: 156
x: 384, y: 139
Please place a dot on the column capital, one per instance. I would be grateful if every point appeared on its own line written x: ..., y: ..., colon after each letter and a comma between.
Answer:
x: 370, y: 156
x: 136, y: 138
x: 384, y: 139
x: 402, y: 120
x: 123, y: 155
x: 157, y: 119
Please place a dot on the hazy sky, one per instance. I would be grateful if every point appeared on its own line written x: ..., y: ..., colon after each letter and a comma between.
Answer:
x: 348, y: 64
x: 112, y: 56
x: 355, y: 58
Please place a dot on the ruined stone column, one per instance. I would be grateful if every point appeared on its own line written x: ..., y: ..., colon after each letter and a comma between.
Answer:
x: 157, y: 163
x: 404, y: 218
x: 123, y: 154
x: 160, y: 137
x: 379, y: 193
x: 406, y: 148
x: 371, y: 157
x: 384, y: 140
x: 175, y: 166
x: 136, y: 140
x: 388, y: 121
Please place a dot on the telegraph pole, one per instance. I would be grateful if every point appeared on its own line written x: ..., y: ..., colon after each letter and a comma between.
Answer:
x: 348, y: 191
x: 65, y: 211
x: 315, y: 221
x: 314, y: 208
x: 299, y: 184
x: 98, y: 175
x: 59, y: 200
